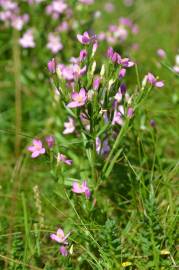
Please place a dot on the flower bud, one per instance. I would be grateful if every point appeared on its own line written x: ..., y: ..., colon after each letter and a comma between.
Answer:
x: 52, y: 66
x: 96, y: 83
x: 102, y: 70
x: 130, y: 112
x: 93, y: 67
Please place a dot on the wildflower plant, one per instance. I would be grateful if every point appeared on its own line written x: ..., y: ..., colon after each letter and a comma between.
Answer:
x: 99, y: 111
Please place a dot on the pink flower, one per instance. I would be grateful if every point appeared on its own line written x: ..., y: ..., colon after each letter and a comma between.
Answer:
x: 69, y: 126
x: 56, y: 8
x: 66, y: 72
x: 130, y: 112
x: 52, y: 66
x: 37, y: 148
x: 83, y: 55
x: 63, y: 250
x: 64, y: 159
x: 27, y: 40
x: 161, y: 53
x: 128, y: 3
x: 78, y: 99
x: 18, y: 22
x: 176, y: 69
x: 71, y: 72
x: 54, y: 43
x: 110, y: 52
x: 50, y: 140
x: 60, y: 237
x: 31, y: 2
x: 59, y: 6
x: 8, y: 4
x: 118, y: 96
x: 83, y: 188
x: 78, y: 72
x: 153, y: 81
x: 96, y: 83
x: 86, y: 2
x: 122, y: 73
x: 117, y: 118
x: 126, y: 62
x: 109, y: 7
x: 125, y: 21
x: 116, y: 58
x: 63, y: 27
x: 94, y: 49
x: 84, y: 39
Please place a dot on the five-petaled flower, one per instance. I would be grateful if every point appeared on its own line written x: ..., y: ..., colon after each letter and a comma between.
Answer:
x: 60, y: 237
x: 78, y: 99
x: 81, y: 188
x: 37, y: 148
x: 27, y: 40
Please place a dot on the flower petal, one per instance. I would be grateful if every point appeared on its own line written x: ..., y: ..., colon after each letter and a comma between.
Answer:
x: 159, y: 84
x: 35, y: 154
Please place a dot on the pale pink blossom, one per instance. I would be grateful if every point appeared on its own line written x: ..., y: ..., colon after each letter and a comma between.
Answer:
x: 52, y: 66
x: 56, y: 8
x: 54, y: 43
x: 153, y: 81
x: 27, y: 40
x: 86, y: 2
x: 60, y: 237
x: 81, y: 188
x: 96, y: 83
x: 117, y: 118
x: 71, y: 72
x: 37, y: 148
x: 130, y: 112
x: 63, y: 250
x: 161, y: 53
x: 109, y: 7
x: 18, y: 22
x: 69, y: 127
x: 78, y: 99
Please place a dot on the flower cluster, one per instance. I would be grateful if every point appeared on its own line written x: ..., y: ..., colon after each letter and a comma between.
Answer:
x: 60, y: 13
x: 11, y: 15
x: 118, y: 33
x: 98, y: 104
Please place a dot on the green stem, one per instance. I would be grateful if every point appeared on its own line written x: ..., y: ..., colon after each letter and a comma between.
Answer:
x: 115, y: 146
x: 17, y: 73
